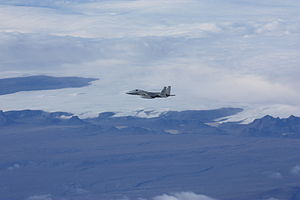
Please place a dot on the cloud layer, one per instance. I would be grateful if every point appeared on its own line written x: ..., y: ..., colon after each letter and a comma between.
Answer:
x: 213, y: 53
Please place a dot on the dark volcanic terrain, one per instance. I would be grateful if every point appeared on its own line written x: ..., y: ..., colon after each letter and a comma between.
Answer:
x: 42, y: 82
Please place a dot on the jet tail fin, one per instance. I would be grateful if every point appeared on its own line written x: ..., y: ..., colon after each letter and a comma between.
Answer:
x: 164, y: 92
x: 168, y: 91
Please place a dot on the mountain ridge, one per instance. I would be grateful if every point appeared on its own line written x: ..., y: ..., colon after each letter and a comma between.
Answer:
x: 171, y: 122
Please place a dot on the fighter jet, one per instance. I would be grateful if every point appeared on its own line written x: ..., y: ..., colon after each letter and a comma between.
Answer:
x: 166, y: 92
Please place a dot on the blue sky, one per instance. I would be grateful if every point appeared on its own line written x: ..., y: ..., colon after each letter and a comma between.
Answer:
x: 214, y: 53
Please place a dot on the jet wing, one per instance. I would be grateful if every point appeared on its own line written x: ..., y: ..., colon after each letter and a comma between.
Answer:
x: 146, y: 95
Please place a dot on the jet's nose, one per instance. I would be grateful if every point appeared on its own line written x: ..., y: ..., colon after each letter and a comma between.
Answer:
x: 132, y: 92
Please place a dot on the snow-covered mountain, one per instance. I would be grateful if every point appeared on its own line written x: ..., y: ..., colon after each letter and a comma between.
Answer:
x: 172, y: 122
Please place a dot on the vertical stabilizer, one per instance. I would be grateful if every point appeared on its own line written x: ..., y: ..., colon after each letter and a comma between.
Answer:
x: 163, y: 93
x: 168, y: 92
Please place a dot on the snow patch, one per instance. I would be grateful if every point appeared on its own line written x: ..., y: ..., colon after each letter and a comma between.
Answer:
x: 172, y: 131
x: 253, y: 112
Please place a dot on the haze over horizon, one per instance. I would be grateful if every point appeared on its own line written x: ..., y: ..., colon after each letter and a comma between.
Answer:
x: 213, y: 53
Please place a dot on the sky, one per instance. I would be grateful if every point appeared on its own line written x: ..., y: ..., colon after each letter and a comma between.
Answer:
x: 214, y: 53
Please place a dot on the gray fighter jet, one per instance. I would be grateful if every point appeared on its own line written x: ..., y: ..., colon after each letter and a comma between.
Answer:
x: 166, y: 92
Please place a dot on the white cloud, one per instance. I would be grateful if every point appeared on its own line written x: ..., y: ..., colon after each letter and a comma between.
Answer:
x: 14, y: 166
x: 276, y: 26
x: 183, y: 196
x: 172, y: 131
x: 177, y: 196
x: 296, y: 170
x: 40, y: 197
x: 24, y: 52
x: 272, y: 198
x: 276, y: 175
x: 111, y: 19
